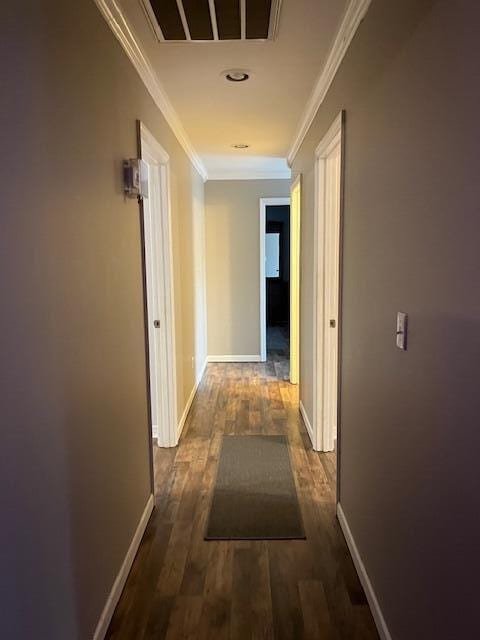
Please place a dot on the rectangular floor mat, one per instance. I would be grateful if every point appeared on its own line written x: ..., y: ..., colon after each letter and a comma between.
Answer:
x: 255, y: 496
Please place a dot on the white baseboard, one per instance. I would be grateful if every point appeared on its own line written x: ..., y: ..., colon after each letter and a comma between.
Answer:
x: 363, y: 575
x: 122, y: 575
x: 183, y: 419
x: 202, y: 371
x: 255, y: 358
x: 306, y: 421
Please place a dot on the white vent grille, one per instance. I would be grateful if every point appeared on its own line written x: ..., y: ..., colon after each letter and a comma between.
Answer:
x: 213, y: 20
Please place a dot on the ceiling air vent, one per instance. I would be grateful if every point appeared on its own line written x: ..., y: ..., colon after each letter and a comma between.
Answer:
x: 213, y: 20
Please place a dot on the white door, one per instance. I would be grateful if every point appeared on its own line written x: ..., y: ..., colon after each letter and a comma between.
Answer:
x: 331, y: 295
x: 295, y: 198
x: 153, y: 281
x: 159, y: 292
x: 328, y: 175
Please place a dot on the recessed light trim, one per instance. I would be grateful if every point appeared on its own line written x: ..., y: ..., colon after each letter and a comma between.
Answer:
x: 240, y: 145
x: 236, y: 75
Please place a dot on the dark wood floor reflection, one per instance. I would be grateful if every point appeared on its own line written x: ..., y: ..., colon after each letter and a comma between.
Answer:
x: 183, y: 587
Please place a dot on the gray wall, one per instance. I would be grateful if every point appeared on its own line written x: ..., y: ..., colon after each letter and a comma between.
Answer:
x: 410, y: 421
x: 74, y: 470
x: 232, y: 218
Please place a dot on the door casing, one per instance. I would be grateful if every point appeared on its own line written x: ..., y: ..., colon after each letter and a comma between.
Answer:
x: 295, y: 241
x: 327, y: 287
x: 159, y: 291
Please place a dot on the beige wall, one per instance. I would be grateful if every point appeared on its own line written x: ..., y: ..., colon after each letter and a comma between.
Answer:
x: 410, y: 421
x: 188, y: 213
x: 74, y: 469
x: 232, y: 211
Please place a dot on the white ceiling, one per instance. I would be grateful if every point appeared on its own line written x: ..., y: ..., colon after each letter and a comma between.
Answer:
x: 264, y: 112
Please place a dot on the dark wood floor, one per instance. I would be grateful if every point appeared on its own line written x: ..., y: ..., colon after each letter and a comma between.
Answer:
x: 278, y: 350
x: 183, y: 587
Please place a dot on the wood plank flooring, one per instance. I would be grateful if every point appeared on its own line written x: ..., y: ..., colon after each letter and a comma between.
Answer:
x: 182, y: 587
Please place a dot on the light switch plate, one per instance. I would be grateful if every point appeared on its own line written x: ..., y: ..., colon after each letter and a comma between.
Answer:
x: 402, y: 330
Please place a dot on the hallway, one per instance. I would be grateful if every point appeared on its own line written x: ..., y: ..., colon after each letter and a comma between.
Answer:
x: 183, y: 587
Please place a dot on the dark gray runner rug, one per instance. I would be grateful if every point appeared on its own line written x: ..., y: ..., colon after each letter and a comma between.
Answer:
x: 254, y: 496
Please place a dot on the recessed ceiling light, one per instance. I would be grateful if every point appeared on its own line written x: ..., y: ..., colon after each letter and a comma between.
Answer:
x: 240, y: 146
x: 236, y: 75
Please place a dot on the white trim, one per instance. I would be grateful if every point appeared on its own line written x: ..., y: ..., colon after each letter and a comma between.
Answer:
x: 147, y: 137
x: 263, y: 288
x: 118, y: 585
x: 229, y: 358
x: 323, y: 439
x: 295, y: 243
x: 306, y: 421
x: 201, y: 373
x: 272, y: 28
x: 213, y: 18
x: 246, y: 174
x: 354, y: 15
x: 132, y: 47
x: 382, y: 628
x: 186, y: 411
x: 190, y: 400
x: 331, y: 138
x: 147, y: 7
x: 243, y: 19
x: 274, y: 19
x: 264, y: 203
x: 183, y: 18
x: 163, y: 294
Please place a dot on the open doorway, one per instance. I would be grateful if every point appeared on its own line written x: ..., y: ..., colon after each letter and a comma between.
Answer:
x: 277, y: 287
x: 275, y: 283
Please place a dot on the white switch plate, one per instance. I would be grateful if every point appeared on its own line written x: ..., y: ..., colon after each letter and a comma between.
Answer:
x: 402, y: 330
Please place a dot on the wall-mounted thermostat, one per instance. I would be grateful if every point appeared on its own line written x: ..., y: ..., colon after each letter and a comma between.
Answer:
x: 135, y: 178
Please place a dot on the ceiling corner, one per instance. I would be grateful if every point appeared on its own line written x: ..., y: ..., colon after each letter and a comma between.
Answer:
x: 352, y: 18
x: 119, y: 25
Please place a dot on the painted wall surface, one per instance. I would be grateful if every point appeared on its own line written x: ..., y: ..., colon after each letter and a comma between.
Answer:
x: 410, y: 85
x: 74, y: 469
x: 232, y: 212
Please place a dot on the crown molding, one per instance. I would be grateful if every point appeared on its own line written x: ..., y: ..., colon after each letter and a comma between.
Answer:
x: 246, y: 174
x: 124, y: 34
x: 353, y: 16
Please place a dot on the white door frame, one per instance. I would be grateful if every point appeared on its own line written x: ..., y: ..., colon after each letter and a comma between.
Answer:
x: 326, y: 390
x: 158, y: 257
x: 295, y: 242
x: 264, y: 203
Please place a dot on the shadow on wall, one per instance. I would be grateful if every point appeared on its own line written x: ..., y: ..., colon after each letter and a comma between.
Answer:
x: 429, y: 452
